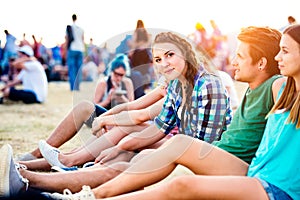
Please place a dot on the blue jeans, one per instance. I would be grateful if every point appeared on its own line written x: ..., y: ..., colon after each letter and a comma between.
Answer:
x: 74, y: 62
x: 274, y: 193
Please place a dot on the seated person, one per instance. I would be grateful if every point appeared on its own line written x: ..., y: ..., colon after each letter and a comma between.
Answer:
x: 127, y: 117
x: 116, y: 88
x: 89, y: 69
x: 32, y: 76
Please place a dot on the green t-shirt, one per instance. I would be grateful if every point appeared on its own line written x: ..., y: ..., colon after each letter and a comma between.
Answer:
x: 244, y: 134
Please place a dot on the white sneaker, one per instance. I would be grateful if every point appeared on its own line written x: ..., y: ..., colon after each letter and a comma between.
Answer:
x: 11, y: 182
x: 85, y: 194
x: 50, y: 154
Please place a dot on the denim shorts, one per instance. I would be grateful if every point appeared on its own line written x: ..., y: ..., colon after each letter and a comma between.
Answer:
x: 98, y: 111
x: 274, y: 193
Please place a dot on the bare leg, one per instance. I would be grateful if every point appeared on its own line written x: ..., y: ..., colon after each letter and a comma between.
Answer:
x: 37, y: 164
x: 69, y: 126
x: 92, y: 150
x: 198, y: 156
x: 74, y: 180
x: 201, y: 187
x: 89, y: 151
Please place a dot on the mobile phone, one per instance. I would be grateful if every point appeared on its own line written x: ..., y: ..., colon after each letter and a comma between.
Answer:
x: 120, y: 92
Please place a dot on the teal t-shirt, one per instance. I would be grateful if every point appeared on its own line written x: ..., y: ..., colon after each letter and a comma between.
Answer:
x: 244, y: 134
x: 277, y: 159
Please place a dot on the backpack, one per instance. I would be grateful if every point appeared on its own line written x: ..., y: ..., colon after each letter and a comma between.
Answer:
x: 69, y: 36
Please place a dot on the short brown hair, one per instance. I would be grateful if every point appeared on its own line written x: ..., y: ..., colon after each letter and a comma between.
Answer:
x: 264, y: 42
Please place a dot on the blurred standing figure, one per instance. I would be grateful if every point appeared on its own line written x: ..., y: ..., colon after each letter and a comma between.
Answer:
x: 124, y: 47
x: 140, y: 54
x: 40, y: 51
x: 90, y: 47
x: 75, y: 53
x: 291, y: 21
x: 35, y: 47
x: 217, y: 36
x: 32, y: 76
x: 9, y: 50
x: 140, y: 38
x: 24, y: 41
x: 201, y: 39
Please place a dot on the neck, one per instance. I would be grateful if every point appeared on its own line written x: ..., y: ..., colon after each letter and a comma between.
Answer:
x: 258, y: 81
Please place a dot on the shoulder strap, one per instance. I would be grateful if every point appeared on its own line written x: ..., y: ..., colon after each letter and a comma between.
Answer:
x: 69, y: 35
x: 109, y: 84
x: 281, y: 90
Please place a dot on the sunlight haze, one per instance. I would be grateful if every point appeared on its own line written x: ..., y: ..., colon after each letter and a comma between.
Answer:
x: 102, y: 20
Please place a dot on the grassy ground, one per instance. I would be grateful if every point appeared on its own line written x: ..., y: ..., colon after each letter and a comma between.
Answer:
x: 23, y: 126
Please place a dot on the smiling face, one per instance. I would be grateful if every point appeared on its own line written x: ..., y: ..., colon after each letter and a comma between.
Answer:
x: 169, y: 61
x: 245, y: 71
x: 289, y: 57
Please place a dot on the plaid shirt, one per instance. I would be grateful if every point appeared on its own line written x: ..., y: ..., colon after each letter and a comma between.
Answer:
x: 208, y: 113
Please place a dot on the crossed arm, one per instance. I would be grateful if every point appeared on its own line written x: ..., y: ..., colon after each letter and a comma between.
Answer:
x: 18, y: 64
x: 131, y: 113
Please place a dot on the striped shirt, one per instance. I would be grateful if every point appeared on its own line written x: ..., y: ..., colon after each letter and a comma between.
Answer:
x: 205, y: 115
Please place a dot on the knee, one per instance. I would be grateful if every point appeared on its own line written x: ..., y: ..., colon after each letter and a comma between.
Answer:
x: 141, y: 155
x: 6, y: 92
x: 84, y: 109
x: 177, y: 187
x: 178, y: 139
x: 118, y: 167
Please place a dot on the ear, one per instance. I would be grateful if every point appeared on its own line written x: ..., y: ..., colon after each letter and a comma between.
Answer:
x: 262, y: 63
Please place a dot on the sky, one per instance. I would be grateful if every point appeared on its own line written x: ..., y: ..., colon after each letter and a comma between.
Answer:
x: 106, y: 19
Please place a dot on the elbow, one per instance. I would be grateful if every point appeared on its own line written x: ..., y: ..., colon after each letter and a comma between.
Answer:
x: 141, y: 118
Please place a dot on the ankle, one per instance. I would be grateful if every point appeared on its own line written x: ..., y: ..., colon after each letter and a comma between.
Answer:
x: 36, y: 154
x: 65, y: 160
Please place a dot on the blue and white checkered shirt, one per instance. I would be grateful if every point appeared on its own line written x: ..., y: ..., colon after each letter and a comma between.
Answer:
x: 206, y: 114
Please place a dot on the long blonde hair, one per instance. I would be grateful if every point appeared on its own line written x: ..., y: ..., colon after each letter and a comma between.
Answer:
x: 290, y: 98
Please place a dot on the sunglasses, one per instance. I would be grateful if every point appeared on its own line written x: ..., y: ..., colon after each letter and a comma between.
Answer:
x: 118, y: 74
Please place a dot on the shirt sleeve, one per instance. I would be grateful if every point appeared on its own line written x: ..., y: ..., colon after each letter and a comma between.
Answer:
x: 213, y: 111
x: 166, y: 120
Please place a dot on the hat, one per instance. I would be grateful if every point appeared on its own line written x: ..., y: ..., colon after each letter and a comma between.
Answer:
x: 26, y: 49
x: 199, y: 26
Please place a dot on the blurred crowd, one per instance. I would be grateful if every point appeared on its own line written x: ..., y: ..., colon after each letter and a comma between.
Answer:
x: 213, y: 46
x: 52, y: 58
